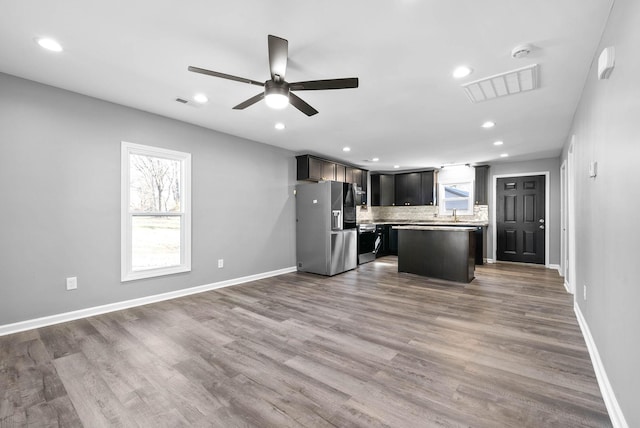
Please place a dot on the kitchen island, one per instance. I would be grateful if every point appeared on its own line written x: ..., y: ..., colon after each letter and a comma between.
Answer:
x: 442, y: 252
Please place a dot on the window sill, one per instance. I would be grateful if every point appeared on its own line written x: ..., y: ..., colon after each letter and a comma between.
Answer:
x: 153, y: 273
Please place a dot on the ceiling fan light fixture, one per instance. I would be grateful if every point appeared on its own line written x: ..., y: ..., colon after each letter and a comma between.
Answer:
x: 277, y: 101
x: 276, y: 95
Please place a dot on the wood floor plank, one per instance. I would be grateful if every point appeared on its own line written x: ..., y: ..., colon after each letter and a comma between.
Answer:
x: 368, y: 348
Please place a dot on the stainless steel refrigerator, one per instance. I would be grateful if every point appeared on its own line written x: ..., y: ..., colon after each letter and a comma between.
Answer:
x: 326, y: 237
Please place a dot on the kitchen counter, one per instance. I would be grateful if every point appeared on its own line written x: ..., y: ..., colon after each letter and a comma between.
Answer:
x: 436, y: 227
x: 437, y: 251
x: 458, y: 223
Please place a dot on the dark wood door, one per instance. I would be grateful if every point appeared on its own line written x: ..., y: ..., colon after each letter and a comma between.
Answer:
x: 520, y: 220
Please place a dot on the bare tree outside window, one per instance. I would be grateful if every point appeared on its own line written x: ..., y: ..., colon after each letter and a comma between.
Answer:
x: 155, y: 185
x: 155, y: 210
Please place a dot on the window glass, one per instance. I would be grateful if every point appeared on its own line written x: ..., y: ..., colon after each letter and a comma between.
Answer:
x: 155, y: 242
x: 456, y: 196
x: 156, y: 218
x: 154, y: 184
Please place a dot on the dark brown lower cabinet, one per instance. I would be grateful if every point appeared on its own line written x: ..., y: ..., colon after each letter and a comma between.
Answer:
x: 438, y: 253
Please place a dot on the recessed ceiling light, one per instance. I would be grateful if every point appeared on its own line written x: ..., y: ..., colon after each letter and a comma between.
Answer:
x: 346, y: 149
x: 375, y: 159
x: 498, y: 143
x: 504, y: 155
x: 488, y: 124
x: 279, y: 125
x: 462, y: 71
x: 396, y: 166
x: 200, y: 98
x: 49, y: 44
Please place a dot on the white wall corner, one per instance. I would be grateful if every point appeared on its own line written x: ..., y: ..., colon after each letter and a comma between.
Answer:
x: 613, y: 408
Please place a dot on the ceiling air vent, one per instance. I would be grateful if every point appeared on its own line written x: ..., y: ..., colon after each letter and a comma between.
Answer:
x: 512, y: 82
x: 181, y: 100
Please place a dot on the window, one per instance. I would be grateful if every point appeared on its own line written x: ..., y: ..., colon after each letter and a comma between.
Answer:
x: 156, y: 211
x: 456, y: 196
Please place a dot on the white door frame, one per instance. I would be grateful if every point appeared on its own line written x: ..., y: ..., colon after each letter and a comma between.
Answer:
x: 570, y: 277
x: 546, y: 211
x: 563, y: 219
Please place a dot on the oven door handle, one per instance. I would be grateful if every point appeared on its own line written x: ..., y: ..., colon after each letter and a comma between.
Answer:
x: 377, y: 245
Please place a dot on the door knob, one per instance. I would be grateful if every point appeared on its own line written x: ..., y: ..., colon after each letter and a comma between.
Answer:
x: 541, y: 220
x: 542, y: 226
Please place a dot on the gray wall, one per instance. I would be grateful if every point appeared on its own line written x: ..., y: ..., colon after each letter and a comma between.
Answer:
x: 60, y: 211
x: 607, y: 130
x: 551, y: 165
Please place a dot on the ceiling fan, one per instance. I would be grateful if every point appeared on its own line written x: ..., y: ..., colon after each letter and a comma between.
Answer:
x: 278, y: 92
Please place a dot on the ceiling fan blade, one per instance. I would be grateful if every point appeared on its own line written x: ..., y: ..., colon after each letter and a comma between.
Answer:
x: 243, y: 105
x: 278, y: 53
x: 224, y: 76
x: 313, y: 85
x: 301, y: 105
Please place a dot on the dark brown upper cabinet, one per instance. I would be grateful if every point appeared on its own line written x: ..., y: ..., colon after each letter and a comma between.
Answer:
x: 481, y: 185
x: 382, y: 190
x: 413, y: 188
x: 341, y: 172
x: 312, y: 168
x: 427, y: 188
x: 315, y: 169
x: 409, y: 189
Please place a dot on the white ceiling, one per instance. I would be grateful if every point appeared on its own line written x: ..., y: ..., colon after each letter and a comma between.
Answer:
x: 408, y: 109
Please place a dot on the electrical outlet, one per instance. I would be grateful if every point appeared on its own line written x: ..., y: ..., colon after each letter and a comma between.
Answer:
x: 220, y: 263
x: 584, y: 292
x: 72, y: 283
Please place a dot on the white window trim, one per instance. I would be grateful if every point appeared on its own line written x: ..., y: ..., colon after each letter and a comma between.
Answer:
x: 441, y: 204
x: 127, y: 274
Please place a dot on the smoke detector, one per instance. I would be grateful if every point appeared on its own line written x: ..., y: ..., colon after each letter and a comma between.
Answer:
x: 521, y: 51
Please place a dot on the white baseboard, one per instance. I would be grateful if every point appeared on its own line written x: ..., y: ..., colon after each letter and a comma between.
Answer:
x: 97, y: 310
x: 566, y: 287
x: 549, y: 266
x: 615, y: 412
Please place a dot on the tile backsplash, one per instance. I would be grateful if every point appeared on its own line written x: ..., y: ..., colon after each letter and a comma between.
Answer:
x: 418, y: 214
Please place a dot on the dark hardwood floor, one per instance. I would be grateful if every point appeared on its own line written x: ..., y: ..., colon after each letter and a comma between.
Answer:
x: 368, y: 348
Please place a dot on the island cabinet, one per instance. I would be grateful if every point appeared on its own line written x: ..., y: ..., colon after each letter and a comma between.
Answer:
x: 437, y: 252
x: 481, y: 185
